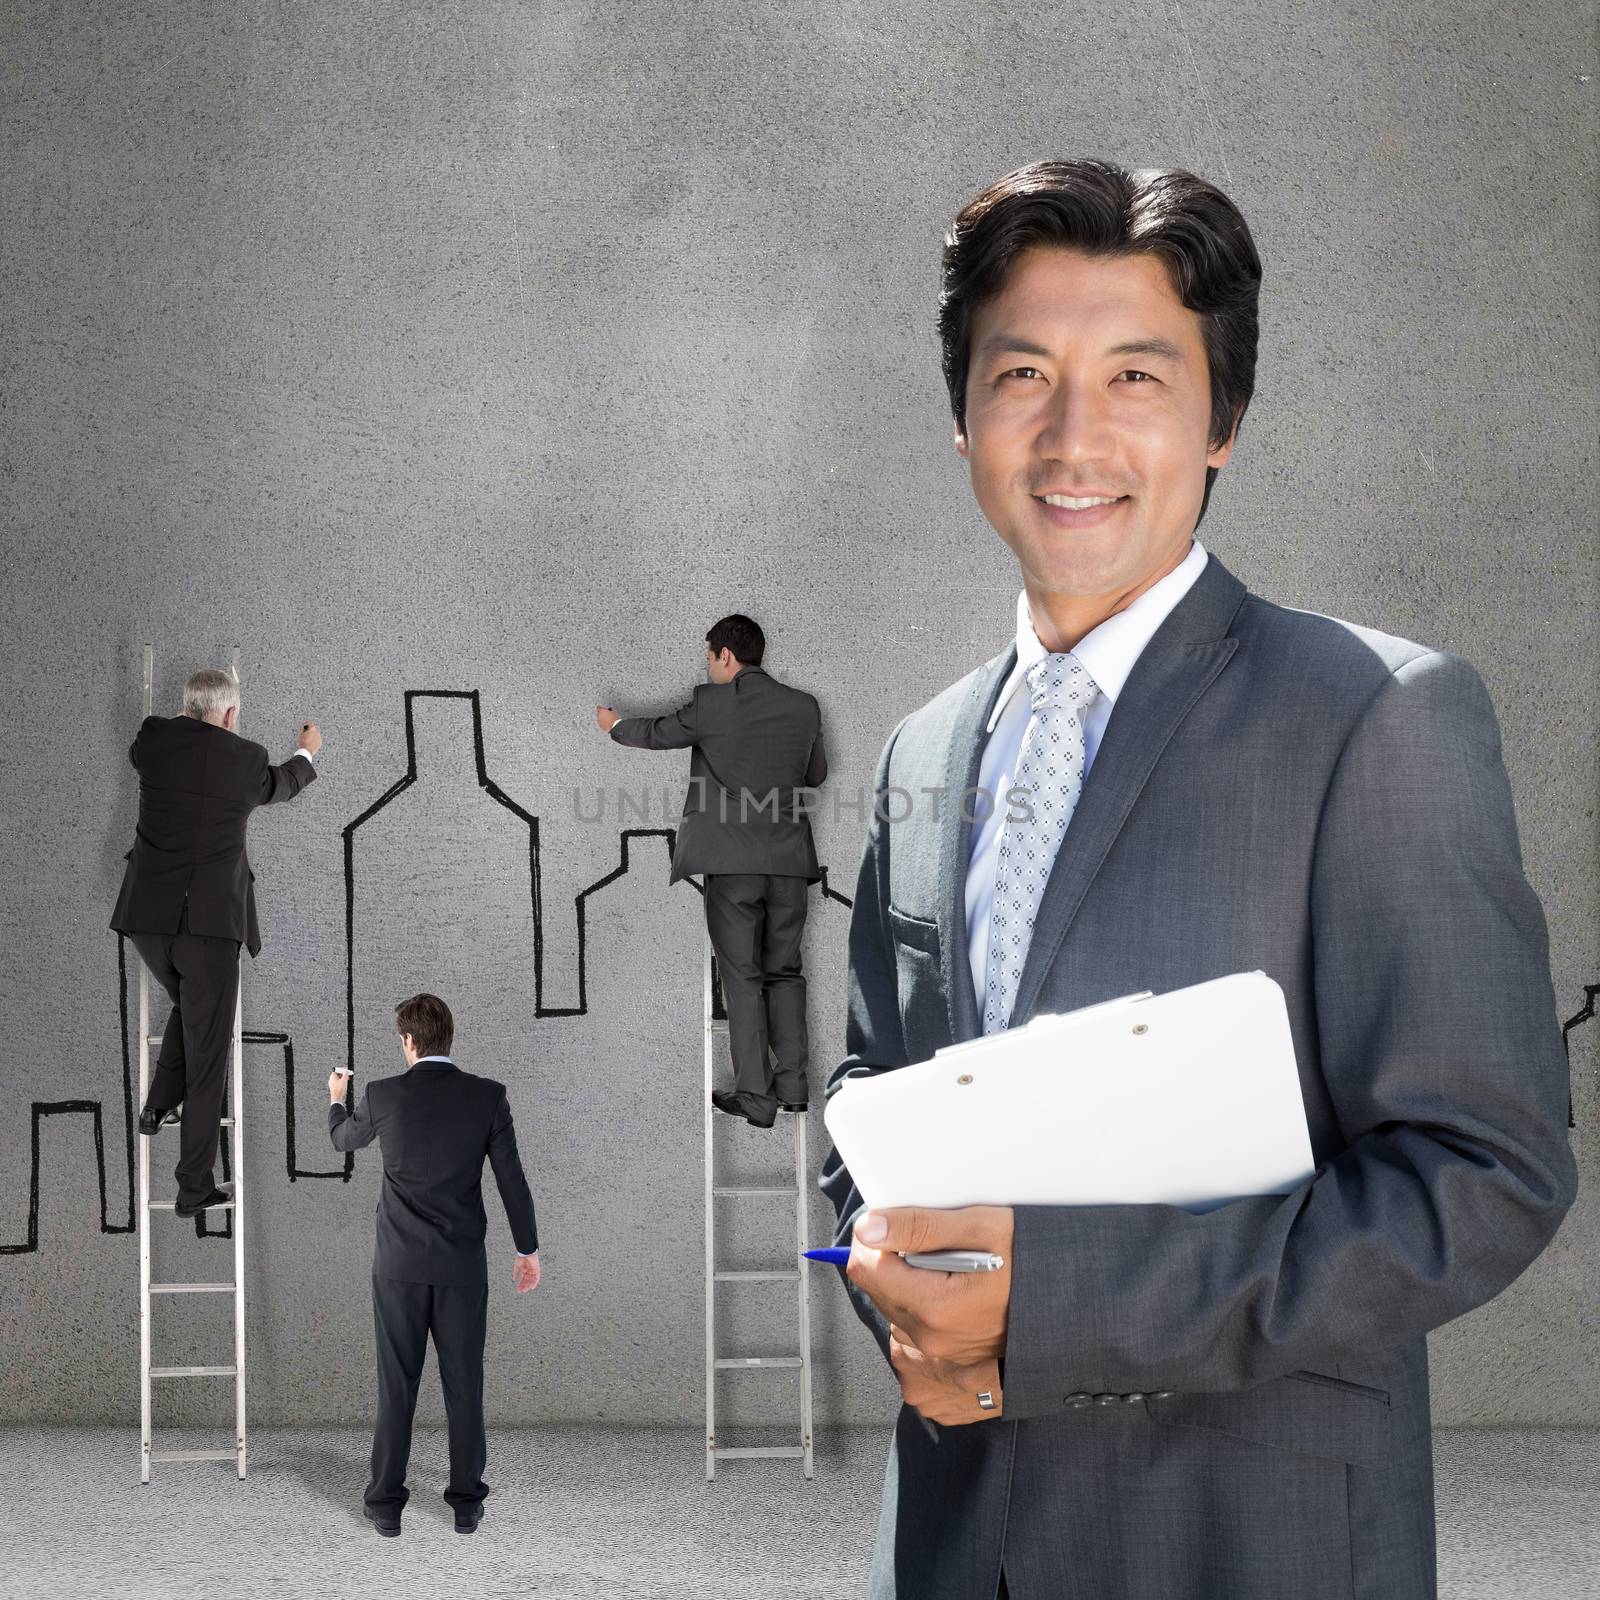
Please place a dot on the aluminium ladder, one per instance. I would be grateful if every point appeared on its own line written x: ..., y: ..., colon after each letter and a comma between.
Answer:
x: 715, y: 1275
x: 148, y: 1207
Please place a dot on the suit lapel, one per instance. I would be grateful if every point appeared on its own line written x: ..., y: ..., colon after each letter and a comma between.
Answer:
x: 1181, y: 661
x: 963, y: 760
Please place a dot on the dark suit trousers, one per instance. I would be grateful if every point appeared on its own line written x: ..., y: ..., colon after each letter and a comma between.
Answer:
x: 403, y: 1315
x: 201, y: 975
x: 755, y: 921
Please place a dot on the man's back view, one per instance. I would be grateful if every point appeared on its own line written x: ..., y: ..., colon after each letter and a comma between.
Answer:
x: 436, y: 1126
x: 188, y: 900
x: 756, y: 743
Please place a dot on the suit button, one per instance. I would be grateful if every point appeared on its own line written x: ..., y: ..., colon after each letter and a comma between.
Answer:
x: 1104, y: 1399
x: 1161, y: 1394
x: 1133, y: 1398
x: 1077, y: 1399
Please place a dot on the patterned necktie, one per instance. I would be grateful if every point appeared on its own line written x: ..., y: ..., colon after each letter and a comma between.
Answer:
x: 1050, y: 772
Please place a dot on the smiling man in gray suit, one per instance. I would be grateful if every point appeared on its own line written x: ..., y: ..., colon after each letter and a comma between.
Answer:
x: 1147, y: 1402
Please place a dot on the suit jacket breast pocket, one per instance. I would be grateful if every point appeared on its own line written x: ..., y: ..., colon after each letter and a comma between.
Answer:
x: 919, y: 984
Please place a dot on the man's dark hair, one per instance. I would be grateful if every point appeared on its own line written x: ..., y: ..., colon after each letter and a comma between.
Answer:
x: 1103, y: 209
x: 427, y: 1019
x: 740, y: 635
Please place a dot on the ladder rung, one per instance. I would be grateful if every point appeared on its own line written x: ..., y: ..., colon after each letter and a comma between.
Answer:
x: 191, y: 1288
x: 759, y: 1450
x: 791, y: 1191
x: 194, y: 1455
x: 758, y: 1361
x: 750, y: 1277
x: 193, y: 1372
x: 168, y: 1205
x: 716, y: 1026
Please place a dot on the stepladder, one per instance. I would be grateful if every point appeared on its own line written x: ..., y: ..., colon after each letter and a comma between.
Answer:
x: 724, y: 1192
x: 153, y: 1149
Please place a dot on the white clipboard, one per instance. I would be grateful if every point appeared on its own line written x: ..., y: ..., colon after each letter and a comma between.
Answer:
x: 1189, y: 1098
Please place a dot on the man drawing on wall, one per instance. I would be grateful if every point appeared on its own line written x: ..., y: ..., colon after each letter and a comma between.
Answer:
x: 757, y: 744
x: 188, y: 901
x: 436, y: 1126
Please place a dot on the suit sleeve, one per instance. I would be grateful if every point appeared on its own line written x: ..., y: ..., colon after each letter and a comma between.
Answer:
x: 515, y: 1194
x: 674, y: 731
x: 133, y: 749
x: 872, y: 1033
x: 282, y: 782
x: 1442, y: 1053
x: 352, y: 1130
x: 817, y: 766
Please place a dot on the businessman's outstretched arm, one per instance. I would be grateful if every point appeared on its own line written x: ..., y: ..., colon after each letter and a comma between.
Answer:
x: 515, y: 1194
x: 1442, y: 1053
x: 673, y: 731
x: 351, y: 1132
x: 282, y: 782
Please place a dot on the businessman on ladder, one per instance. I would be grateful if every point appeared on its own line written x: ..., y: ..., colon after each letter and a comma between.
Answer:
x: 756, y: 742
x: 188, y: 901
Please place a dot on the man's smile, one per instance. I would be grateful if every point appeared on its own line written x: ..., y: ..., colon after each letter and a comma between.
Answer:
x: 1078, y: 511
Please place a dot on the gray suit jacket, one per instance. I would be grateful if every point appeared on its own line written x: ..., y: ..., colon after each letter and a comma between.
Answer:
x: 757, y: 744
x: 1274, y: 790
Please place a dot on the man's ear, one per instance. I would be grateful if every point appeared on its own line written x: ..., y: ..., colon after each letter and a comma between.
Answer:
x: 962, y: 448
x: 1217, y: 457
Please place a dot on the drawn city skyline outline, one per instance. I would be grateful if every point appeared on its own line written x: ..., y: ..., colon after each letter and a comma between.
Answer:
x: 256, y: 1037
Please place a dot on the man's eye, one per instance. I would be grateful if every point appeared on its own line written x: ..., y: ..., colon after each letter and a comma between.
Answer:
x: 1015, y: 370
x: 1134, y: 373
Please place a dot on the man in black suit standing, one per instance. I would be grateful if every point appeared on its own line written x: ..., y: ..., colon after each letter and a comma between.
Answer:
x: 188, y: 901
x: 435, y: 1124
x: 757, y: 744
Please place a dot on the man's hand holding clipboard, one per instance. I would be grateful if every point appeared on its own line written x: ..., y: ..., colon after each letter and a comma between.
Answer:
x: 1191, y: 1098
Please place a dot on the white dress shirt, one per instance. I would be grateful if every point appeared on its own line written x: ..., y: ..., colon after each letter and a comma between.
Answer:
x: 1108, y: 653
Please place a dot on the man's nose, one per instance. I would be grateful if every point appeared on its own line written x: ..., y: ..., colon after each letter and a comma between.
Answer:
x: 1075, y: 424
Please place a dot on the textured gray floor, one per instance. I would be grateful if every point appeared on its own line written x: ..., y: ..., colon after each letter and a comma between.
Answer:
x: 593, y: 1513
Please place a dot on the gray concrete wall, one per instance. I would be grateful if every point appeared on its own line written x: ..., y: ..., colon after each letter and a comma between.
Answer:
x: 503, y: 347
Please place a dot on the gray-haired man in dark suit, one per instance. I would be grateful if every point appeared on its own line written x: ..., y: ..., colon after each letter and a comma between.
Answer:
x: 757, y: 747
x: 188, y: 902
x: 1145, y: 1402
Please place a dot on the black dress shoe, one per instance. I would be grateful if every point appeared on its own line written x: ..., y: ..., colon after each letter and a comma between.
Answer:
x: 732, y: 1102
x: 794, y: 1105
x: 152, y: 1117
x: 389, y: 1527
x: 467, y: 1521
x: 217, y: 1197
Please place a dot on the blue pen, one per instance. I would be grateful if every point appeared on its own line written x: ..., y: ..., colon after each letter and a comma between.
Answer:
x: 932, y: 1260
